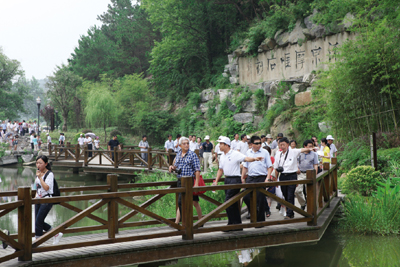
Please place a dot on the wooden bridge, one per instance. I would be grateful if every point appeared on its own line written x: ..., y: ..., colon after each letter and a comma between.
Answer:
x: 161, y: 238
x: 128, y: 160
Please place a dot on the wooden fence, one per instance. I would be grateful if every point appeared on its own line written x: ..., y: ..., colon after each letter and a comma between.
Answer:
x: 128, y: 156
x: 321, y: 189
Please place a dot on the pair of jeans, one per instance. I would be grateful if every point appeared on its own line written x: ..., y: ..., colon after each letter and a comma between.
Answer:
x: 90, y: 147
x: 288, y: 190
x: 233, y: 211
x: 261, y: 201
x: 41, y: 211
x: 145, y: 157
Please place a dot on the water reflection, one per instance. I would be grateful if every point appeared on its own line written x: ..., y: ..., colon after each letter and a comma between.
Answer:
x: 334, y: 249
x: 13, y: 177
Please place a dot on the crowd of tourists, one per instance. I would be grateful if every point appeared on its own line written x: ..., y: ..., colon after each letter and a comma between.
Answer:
x: 253, y: 159
x: 10, y: 132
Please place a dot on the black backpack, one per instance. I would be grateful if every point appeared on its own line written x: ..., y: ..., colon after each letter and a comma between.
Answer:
x: 56, y: 190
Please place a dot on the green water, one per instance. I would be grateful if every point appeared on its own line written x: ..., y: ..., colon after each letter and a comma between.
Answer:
x: 334, y: 249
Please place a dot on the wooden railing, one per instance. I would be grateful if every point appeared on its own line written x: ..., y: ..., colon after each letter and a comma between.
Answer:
x: 128, y: 156
x: 321, y: 189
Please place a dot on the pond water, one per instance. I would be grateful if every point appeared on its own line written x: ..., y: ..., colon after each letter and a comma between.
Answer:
x: 334, y: 249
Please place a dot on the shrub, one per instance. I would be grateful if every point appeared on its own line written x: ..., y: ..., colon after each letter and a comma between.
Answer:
x: 76, y: 136
x: 115, y: 132
x: 363, y: 180
x: 121, y: 139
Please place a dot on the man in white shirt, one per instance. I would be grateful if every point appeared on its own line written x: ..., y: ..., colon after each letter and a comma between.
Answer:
x: 48, y: 139
x: 81, y: 141
x: 230, y: 166
x: 177, y: 148
x: 9, y: 126
x: 88, y: 142
x: 217, y: 151
x: 286, y: 164
x: 144, y: 145
x: 35, y: 126
x: 274, y: 146
x: 332, y: 146
x: 235, y: 142
x: 169, y: 144
x: 193, y: 144
x: 243, y: 145
x: 257, y: 172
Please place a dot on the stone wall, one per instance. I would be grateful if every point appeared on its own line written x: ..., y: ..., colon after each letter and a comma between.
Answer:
x: 289, y: 54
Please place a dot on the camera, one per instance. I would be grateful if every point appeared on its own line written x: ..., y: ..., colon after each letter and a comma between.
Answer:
x: 178, y: 171
x: 280, y: 169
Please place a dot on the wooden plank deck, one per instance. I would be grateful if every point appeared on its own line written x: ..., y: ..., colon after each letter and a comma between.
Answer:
x: 174, y: 247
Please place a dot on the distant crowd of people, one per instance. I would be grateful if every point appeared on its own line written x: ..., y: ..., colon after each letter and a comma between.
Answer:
x: 11, y: 131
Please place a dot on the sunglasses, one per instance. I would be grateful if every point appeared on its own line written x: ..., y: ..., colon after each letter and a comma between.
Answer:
x: 257, y: 143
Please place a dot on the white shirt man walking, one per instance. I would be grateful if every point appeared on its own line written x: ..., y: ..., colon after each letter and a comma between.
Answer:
x: 169, y: 144
x: 258, y: 172
x: 286, y: 164
x: 243, y: 145
x: 332, y: 146
x: 235, y: 142
x: 230, y: 166
x: 207, y: 154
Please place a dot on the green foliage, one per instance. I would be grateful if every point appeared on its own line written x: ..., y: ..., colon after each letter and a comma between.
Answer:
x: 77, y: 135
x: 363, y: 83
x: 378, y: 214
x: 261, y: 101
x: 121, y: 139
x: 13, y: 88
x: 119, y: 47
x: 362, y: 179
x: 62, y: 91
x: 115, y: 133
x: 153, y: 124
x: 244, y: 95
x: 101, y: 109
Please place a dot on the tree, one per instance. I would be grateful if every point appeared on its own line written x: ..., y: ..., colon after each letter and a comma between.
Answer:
x: 63, y: 91
x: 34, y: 91
x: 12, y: 87
x: 120, y: 46
x: 101, y: 109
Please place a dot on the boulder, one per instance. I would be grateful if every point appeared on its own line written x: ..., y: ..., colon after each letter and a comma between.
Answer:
x: 267, y: 88
x: 207, y: 95
x: 307, y: 78
x: 282, y: 126
x: 225, y: 75
x: 282, y: 39
x: 303, y: 98
x: 238, y: 52
x: 250, y: 105
x: 6, y: 160
x: 324, y: 127
x: 298, y: 87
x: 296, y: 34
x: 348, y: 21
x: 233, y: 80
x: 28, y: 158
x: 232, y: 59
x: 231, y: 106
x: 224, y: 94
x: 243, y: 117
x: 256, y: 121
x: 267, y: 44
x: 314, y: 30
x: 203, y: 108
x: 271, y: 101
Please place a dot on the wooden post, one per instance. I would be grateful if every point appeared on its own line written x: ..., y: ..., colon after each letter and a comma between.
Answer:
x: 49, y: 147
x: 149, y: 159
x: 312, y: 197
x: 187, y: 208
x: 253, y: 206
x: 131, y: 159
x: 112, y: 182
x: 55, y: 151
x: 334, y: 180
x: 25, y: 223
x: 66, y: 150
x: 197, y: 152
x: 170, y: 161
x: 77, y: 153
x: 86, y: 153
x: 100, y: 156
x: 115, y: 158
x: 326, y: 181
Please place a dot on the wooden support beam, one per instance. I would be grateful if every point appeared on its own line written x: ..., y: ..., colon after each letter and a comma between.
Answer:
x: 187, y: 208
x: 24, y: 223
x: 112, y: 181
x: 312, y: 197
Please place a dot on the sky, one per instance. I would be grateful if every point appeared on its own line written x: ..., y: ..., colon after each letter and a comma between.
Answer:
x: 42, y: 34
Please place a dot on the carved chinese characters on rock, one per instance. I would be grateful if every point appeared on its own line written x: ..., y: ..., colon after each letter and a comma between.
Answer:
x: 316, y: 55
x: 286, y: 60
x: 332, y: 51
x: 300, y: 59
x: 259, y: 67
x: 271, y: 63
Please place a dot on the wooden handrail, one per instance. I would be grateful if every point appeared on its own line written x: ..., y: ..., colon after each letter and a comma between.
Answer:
x: 321, y: 189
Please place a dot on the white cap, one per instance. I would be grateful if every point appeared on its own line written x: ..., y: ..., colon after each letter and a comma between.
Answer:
x: 47, y: 134
x: 248, y: 137
x: 225, y: 140
x: 329, y: 137
x: 220, y: 137
x: 81, y: 134
x: 207, y: 137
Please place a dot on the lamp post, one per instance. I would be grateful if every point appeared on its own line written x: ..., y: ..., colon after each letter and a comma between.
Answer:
x: 57, y: 119
x: 38, y: 101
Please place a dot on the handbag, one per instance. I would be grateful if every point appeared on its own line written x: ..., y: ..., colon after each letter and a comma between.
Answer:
x: 201, y: 183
